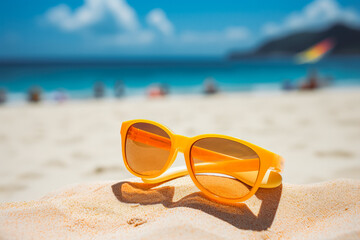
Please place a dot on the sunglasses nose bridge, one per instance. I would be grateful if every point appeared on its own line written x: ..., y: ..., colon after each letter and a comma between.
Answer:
x: 181, y: 142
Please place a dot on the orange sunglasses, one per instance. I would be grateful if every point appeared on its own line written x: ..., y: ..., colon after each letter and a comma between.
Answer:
x: 224, y: 168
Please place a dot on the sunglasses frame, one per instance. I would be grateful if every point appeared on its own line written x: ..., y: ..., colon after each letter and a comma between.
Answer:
x: 268, y: 160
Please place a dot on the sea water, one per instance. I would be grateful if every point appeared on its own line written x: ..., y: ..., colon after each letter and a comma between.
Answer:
x: 77, y: 78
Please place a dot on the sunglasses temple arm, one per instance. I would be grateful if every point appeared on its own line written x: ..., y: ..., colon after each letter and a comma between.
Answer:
x: 177, y: 172
x: 171, y: 174
x: 278, y: 163
x: 273, y: 179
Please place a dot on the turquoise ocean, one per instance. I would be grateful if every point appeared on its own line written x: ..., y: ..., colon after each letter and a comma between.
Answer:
x: 182, y: 77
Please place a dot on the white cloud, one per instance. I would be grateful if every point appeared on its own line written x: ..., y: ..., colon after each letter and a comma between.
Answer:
x: 123, y: 13
x: 237, y: 33
x: 92, y: 12
x: 230, y: 34
x: 130, y: 32
x: 157, y: 18
x: 316, y: 14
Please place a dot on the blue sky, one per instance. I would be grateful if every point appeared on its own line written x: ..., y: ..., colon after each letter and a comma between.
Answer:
x: 120, y: 28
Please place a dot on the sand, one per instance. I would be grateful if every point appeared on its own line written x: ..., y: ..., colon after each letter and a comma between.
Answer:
x: 48, y: 146
x: 176, y: 210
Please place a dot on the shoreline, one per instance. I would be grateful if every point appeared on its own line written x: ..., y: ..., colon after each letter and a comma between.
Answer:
x: 49, y: 96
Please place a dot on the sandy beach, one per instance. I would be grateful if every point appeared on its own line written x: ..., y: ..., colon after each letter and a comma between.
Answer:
x: 176, y: 210
x: 49, y: 146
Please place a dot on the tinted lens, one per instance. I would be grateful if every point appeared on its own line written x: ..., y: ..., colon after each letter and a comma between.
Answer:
x: 147, y: 148
x: 224, y: 167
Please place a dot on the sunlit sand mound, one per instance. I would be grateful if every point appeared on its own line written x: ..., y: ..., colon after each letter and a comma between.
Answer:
x: 177, y: 210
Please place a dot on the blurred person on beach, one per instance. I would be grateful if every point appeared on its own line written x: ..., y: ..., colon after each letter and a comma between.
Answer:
x: 119, y: 89
x: 210, y: 86
x: 2, y: 95
x: 311, y: 82
x: 34, y: 95
x: 99, y: 89
x: 157, y: 90
x: 60, y: 96
x: 314, y: 81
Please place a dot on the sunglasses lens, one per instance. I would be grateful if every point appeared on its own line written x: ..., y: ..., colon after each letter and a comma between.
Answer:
x: 147, y: 148
x: 224, y: 167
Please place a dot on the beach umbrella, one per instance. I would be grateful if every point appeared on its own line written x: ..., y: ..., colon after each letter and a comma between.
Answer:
x: 316, y: 52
